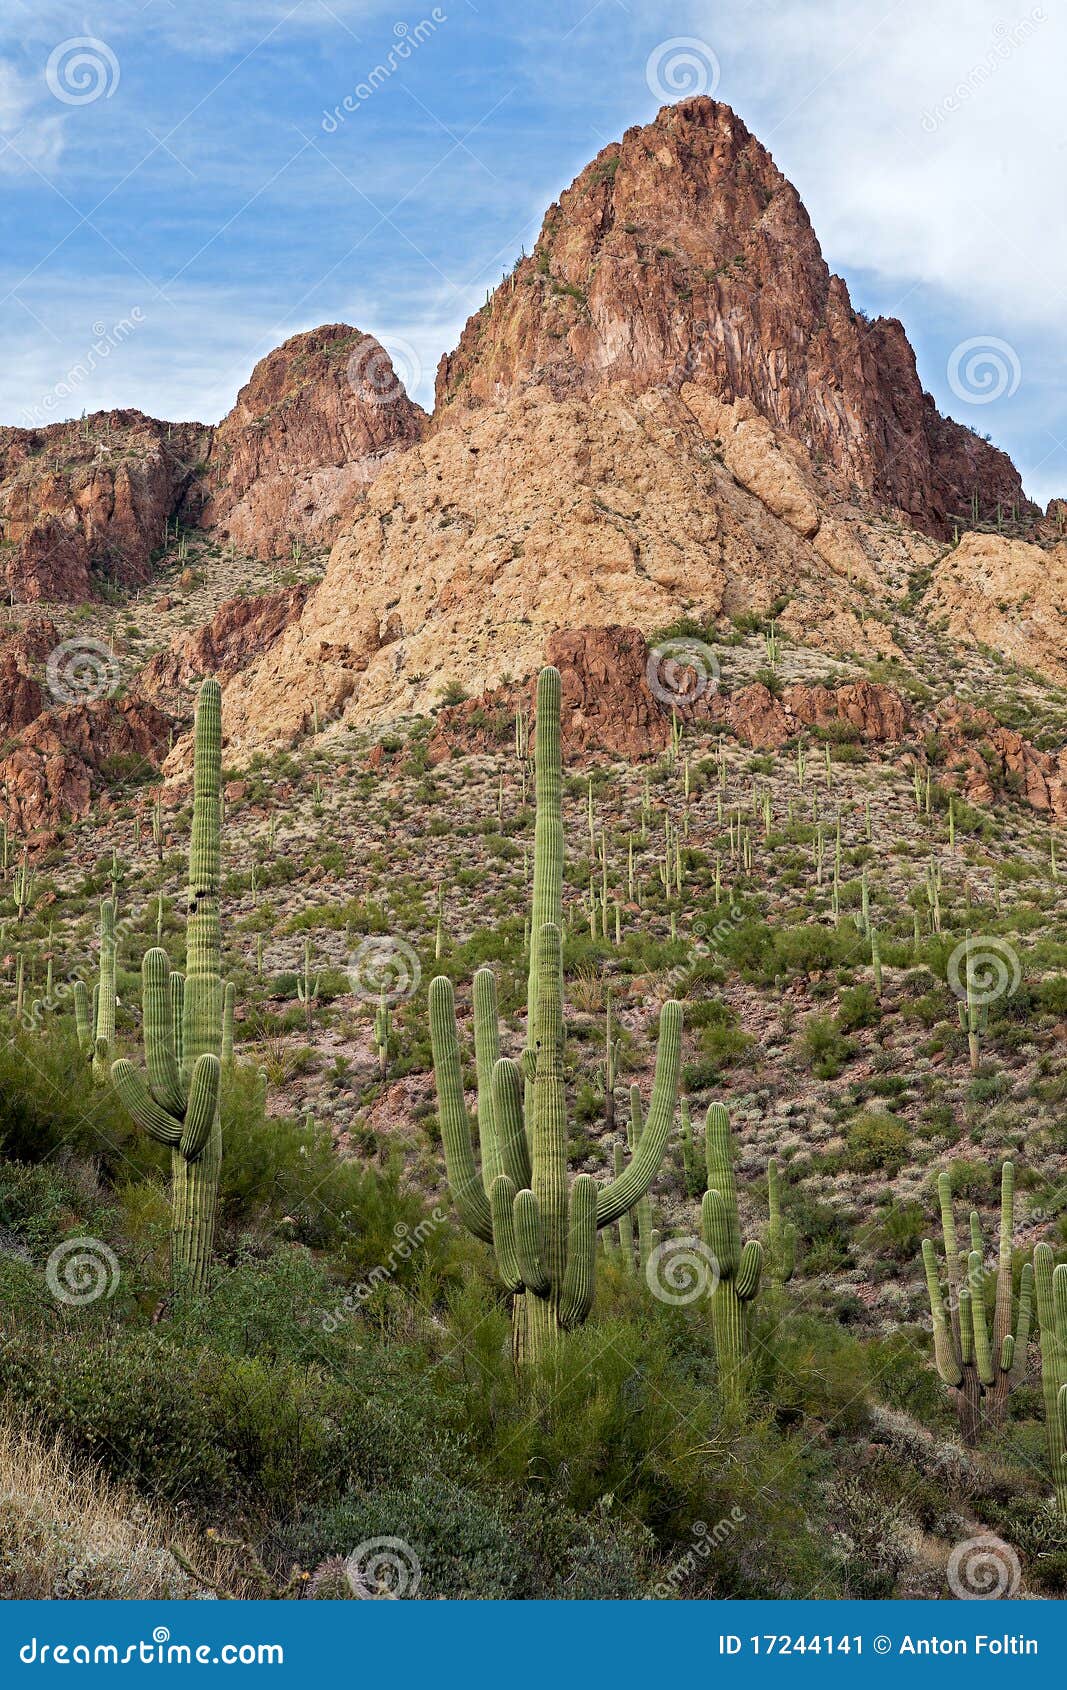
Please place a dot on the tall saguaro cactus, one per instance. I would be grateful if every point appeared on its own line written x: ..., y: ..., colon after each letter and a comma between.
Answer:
x: 740, y: 1267
x: 1051, y: 1284
x: 541, y: 1223
x: 183, y: 1026
x: 95, y: 1018
x: 979, y: 1364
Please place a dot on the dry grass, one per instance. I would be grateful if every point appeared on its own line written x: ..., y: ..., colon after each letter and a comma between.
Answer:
x: 68, y: 1533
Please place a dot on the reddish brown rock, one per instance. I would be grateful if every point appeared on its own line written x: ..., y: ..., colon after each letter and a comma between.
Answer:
x: 608, y: 705
x: 86, y: 502
x: 999, y: 762
x: 63, y: 757
x: 877, y: 712
x: 21, y: 698
x: 682, y: 255
x: 316, y: 422
x: 241, y: 630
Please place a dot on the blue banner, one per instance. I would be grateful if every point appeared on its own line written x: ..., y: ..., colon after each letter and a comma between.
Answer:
x: 696, y: 1642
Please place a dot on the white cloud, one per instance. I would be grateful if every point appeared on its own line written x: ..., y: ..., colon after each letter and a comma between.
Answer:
x: 30, y: 136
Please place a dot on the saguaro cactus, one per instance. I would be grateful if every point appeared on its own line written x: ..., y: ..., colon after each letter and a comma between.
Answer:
x: 740, y: 1267
x: 979, y: 1364
x: 781, y: 1234
x: 1051, y: 1283
x: 383, y: 1023
x: 183, y: 1026
x: 541, y: 1224
x: 974, y: 1015
x: 95, y: 1018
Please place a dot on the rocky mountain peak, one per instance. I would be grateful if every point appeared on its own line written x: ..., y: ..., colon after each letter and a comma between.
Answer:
x: 681, y: 254
x: 313, y: 425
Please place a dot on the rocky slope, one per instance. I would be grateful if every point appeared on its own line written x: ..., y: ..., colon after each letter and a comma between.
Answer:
x: 86, y: 503
x: 1008, y: 594
x: 309, y: 432
x: 682, y: 255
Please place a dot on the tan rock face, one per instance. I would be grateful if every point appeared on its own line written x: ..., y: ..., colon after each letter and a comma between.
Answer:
x: 317, y: 421
x: 85, y: 502
x: 1006, y: 594
x: 682, y: 255
x: 517, y: 521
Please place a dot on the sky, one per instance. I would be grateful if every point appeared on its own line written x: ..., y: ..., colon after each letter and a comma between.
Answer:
x: 186, y: 183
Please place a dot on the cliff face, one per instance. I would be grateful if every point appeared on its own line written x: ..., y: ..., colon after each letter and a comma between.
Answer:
x: 85, y: 502
x: 682, y: 255
x: 319, y: 418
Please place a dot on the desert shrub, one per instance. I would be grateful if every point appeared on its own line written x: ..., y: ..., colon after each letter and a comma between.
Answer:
x: 823, y: 1047
x: 877, y: 1141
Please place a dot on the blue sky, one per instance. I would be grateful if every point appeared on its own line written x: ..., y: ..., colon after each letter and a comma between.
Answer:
x: 176, y: 194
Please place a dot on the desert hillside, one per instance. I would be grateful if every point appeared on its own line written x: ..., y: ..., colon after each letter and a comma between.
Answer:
x: 280, y: 711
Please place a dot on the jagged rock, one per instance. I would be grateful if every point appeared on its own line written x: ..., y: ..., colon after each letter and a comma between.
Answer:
x: 682, y: 255
x: 62, y: 758
x: 312, y: 427
x: 241, y: 629
x: 83, y: 502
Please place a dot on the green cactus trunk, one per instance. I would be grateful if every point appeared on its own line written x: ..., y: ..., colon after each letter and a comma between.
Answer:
x: 1051, y: 1287
x: 541, y: 1223
x: 738, y: 1268
x: 184, y: 1027
x: 979, y: 1364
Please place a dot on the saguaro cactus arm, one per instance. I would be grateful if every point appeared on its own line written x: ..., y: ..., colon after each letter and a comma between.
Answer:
x: 622, y: 1193
x: 945, y: 1352
x: 142, y: 1106
x: 464, y: 1180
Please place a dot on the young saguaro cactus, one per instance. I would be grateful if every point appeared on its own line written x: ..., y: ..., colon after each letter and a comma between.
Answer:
x: 1051, y: 1285
x: 183, y: 1026
x: 95, y: 1018
x: 740, y: 1267
x: 521, y: 1200
x: 979, y: 1364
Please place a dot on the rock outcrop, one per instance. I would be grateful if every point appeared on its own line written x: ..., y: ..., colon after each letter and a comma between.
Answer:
x: 682, y: 255
x: 618, y: 697
x: 64, y: 758
x: 85, y: 503
x: 316, y: 422
x: 241, y: 631
x: 1006, y: 594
